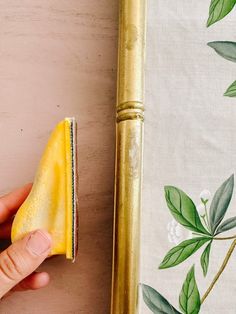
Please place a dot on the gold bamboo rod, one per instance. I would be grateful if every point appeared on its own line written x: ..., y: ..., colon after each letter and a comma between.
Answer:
x: 129, y: 151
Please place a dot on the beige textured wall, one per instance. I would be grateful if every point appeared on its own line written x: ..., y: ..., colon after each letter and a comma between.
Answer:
x: 57, y: 59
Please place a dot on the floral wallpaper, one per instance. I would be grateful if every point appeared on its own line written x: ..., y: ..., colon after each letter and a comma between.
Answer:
x: 197, y: 227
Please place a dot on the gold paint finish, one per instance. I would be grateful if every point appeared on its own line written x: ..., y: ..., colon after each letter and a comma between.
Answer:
x: 129, y: 150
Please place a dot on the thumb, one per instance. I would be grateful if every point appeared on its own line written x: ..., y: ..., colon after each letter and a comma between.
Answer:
x: 21, y: 258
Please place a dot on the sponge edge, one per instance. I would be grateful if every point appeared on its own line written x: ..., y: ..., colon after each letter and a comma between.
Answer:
x: 52, y: 203
x: 71, y: 186
x: 74, y: 190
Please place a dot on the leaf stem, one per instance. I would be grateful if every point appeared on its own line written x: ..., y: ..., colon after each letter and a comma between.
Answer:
x: 202, y: 235
x: 215, y: 238
x: 225, y: 238
x: 205, y: 221
x: 207, y: 217
x: 225, y: 262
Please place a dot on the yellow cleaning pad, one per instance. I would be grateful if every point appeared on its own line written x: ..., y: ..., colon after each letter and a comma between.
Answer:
x: 52, y: 202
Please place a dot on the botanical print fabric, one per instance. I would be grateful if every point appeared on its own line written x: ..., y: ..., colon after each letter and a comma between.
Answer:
x: 189, y: 200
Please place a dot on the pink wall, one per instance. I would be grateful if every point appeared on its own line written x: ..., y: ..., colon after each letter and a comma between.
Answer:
x: 57, y: 59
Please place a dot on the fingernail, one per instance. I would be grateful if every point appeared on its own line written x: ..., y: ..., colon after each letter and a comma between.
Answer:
x: 39, y: 242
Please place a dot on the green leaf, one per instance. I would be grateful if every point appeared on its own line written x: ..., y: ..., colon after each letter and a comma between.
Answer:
x: 205, y: 258
x: 181, y: 252
x: 183, y: 209
x: 220, y: 203
x: 231, y: 91
x: 226, y: 49
x: 156, y: 302
x: 189, y: 299
x: 219, y: 9
x: 227, y: 225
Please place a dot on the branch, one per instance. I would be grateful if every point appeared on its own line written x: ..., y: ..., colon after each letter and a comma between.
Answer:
x: 225, y: 262
x: 225, y: 238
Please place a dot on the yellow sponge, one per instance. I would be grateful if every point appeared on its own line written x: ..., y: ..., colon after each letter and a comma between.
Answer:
x: 52, y: 202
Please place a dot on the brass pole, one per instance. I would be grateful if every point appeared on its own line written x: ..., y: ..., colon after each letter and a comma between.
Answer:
x: 129, y: 151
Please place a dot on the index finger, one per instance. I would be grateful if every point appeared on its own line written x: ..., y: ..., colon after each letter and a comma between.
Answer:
x: 10, y: 203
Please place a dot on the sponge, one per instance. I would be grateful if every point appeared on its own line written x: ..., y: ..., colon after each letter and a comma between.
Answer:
x: 52, y: 203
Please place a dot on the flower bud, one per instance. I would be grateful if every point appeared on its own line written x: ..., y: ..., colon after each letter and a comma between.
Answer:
x: 205, y: 195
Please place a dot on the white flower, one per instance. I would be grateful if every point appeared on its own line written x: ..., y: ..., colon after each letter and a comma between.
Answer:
x: 201, y: 209
x: 205, y: 195
x: 176, y: 233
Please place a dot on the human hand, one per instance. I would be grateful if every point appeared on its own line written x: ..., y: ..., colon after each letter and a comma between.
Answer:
x: 19, y: 261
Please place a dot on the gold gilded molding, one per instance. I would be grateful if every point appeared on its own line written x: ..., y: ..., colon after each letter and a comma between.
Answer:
x: 129, y: 152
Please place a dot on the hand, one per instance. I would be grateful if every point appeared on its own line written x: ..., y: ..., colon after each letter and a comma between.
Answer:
x: 19, y: 260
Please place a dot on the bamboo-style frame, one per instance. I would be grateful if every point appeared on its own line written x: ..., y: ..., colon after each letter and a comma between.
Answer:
x: 129, y: 151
